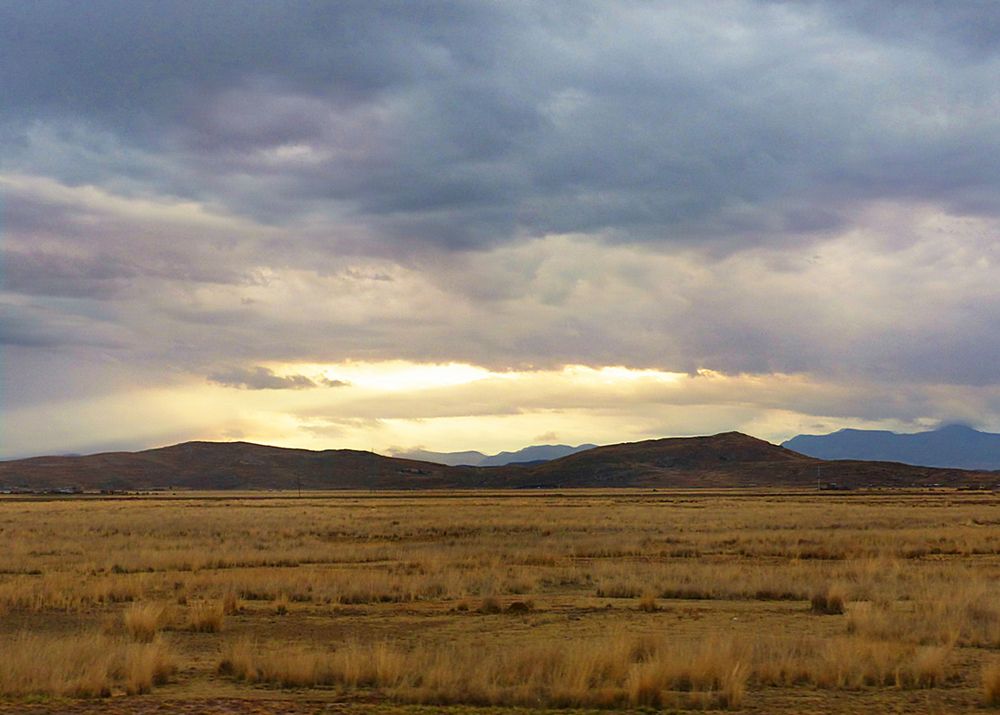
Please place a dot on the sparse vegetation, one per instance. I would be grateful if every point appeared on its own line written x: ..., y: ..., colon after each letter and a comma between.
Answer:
x: 230, y: 603
x: 648, y: 603
x: 490, y: 604
x: 87, y: 665
x: 991, y: 683
x: 594, y: 600
x: 142, y: 621
x: 829, y: 601
x: 607, y: 672
x: 206, y: 617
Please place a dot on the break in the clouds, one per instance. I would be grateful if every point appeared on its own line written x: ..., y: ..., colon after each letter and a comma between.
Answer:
x: 200, y: 197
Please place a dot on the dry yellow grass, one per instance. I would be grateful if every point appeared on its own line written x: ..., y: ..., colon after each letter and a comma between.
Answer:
x: 230, y: 603
x: 648, y: 602
x: 965, y: 612
x: 829, y: 601
x: 591, y: 599
x: 206, y: 616
x: 612, y: 671
x: 615, y: 671
x: 142, y: 621
x: 88, y: 665
x: 849, y: 663
x: 991, y: 683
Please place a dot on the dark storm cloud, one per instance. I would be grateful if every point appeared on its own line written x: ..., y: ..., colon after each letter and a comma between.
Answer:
x: 463, y: 125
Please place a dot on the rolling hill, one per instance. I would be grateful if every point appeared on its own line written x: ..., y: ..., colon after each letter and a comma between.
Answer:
x: 724, y: 460
x: 730, y: 459
x: 225, y: 465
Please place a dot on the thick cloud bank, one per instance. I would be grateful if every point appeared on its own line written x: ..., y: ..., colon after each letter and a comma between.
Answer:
x: 215, y: 194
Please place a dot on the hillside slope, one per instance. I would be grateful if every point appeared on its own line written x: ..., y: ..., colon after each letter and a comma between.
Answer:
x: 730, y: 459
x: 725, y: 460
x: 227, y: 465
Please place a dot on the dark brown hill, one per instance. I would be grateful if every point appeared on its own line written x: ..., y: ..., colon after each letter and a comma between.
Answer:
x: 725, y: 460
x: 731, y: 459
x: 691, y: 461
x: 226, y: 465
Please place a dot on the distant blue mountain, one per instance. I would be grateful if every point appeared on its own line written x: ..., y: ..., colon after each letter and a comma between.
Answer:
x: 452, y: 459
x: 534, y: 454
x: 957, y: 446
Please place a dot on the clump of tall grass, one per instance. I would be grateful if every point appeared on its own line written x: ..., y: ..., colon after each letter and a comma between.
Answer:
x: 848, y: 663
x: 829, y: 601
x: 86, y: 665
x: 619, y: 589
x: 230, y: 603
x: 621, y: 671
x: 145, y: 666
x: 206, y: 617
x: 281, y: 605
x: 490, y: 604
x: 142, y: 621
x: 648, y: 603
x: 966, y: 615
x: 991, y: 683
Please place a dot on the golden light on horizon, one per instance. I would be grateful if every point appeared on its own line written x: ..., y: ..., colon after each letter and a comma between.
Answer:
x: 389, y: 375
x: 405, y: 376
x: 395, y: 405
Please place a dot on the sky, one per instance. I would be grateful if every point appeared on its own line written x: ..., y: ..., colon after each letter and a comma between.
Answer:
x: 483, y: 225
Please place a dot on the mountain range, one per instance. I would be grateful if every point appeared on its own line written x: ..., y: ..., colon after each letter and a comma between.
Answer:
x: 730, y: 459
x: 529, y: 455
x: 958, y: 446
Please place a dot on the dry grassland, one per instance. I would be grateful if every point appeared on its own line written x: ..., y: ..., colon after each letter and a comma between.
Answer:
x: 746, y: 602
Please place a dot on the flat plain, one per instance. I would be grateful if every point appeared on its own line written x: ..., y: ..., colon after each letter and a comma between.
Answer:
x: 403, y: 602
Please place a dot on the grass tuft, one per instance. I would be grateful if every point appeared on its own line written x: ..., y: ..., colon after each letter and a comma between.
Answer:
x: 648, y: 602
x: 831, y: 601
x: 991, y: 683
x: 142, y: 621
x: 81, y: 666
x: 206, y: 617
x: 490, y: 604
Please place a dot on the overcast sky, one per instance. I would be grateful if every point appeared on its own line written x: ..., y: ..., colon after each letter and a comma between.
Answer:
x: 481, y: 225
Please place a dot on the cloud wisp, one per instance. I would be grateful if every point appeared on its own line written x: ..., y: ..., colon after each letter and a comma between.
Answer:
x: 263, y: 378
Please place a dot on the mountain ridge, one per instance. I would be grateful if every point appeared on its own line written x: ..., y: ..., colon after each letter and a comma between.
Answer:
x: 729, y: 459
x: 474, y: 458
x: 956, y: 446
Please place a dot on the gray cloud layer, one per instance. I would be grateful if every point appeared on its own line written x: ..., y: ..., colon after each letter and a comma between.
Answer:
x: 746, y: 186
x: 463, y: 125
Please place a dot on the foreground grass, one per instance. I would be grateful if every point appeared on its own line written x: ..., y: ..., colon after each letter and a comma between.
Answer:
x: 594, y: 600
x: 90, y: 665
x: 605, y: 672
x: 602, y: 673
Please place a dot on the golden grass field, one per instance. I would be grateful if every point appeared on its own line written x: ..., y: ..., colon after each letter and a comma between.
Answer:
x: 484, y: 602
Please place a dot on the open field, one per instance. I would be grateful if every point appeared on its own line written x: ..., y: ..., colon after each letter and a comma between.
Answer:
x: 417, y: 602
